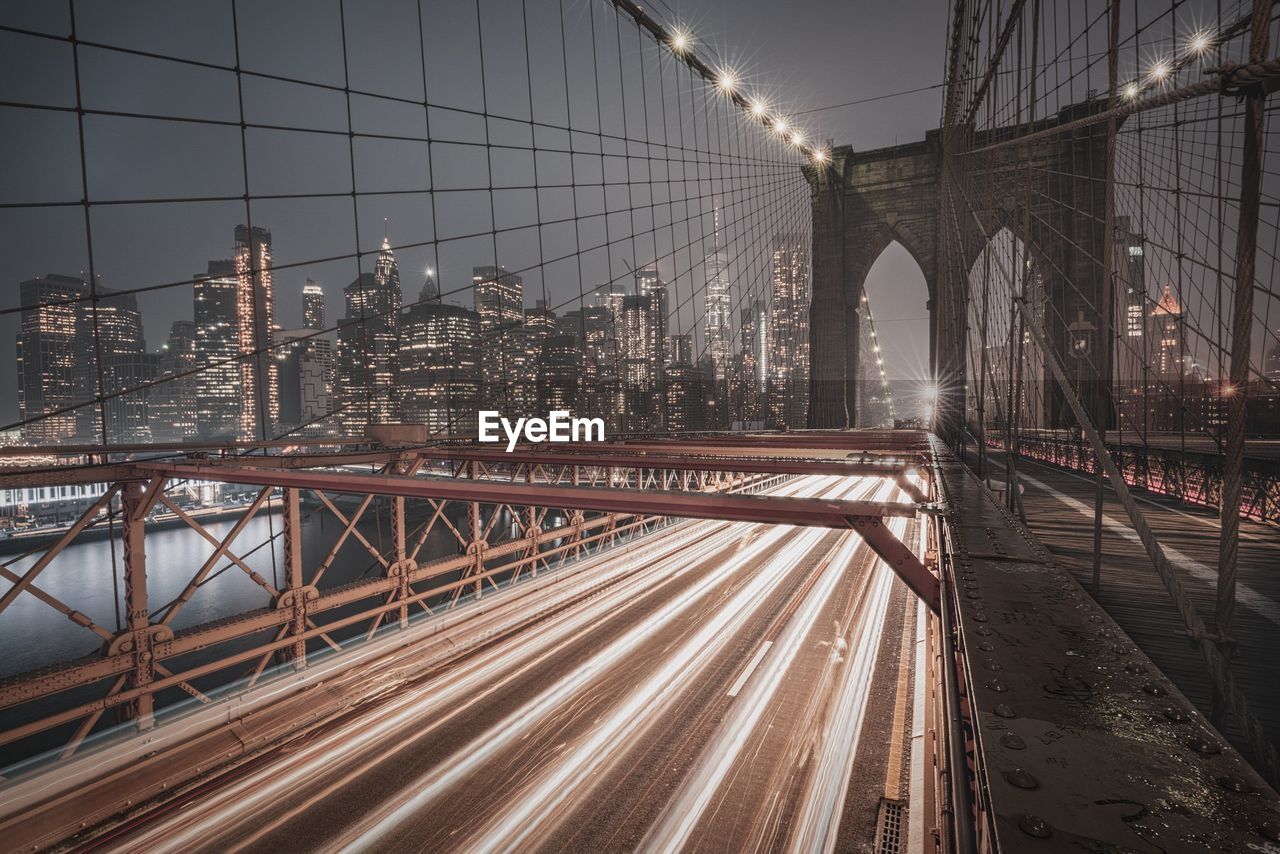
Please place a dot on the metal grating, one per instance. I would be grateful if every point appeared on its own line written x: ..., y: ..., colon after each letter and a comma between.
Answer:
x: 889, y: 827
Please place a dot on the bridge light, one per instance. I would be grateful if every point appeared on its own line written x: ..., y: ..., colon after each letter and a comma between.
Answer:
x: 1199, y: 43
x: 681, y: 41
x: 1131, y: 91
x: 780, y: 125
x: 797, y: 138
x: 1159, y: 71
x: 820, y: 155
x: 758, y: 108
x: 727, y: 82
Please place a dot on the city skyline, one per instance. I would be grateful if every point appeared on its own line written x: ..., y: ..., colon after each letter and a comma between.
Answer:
x: 392, y: 358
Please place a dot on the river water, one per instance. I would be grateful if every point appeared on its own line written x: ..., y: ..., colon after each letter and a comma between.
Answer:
x: 87, y: 577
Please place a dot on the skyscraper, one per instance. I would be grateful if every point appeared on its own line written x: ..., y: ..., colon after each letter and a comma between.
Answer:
x: 1131, y: 294
x: 754, y: 333
x: 650, y: 285
x: 218, y: 382
x: 369, y: 348
x: 639, y: 364
x: 1168, y: 336
x: 316, y: 366
x: 593, y: 328
x: 788, y: 371
x: 680, y: 350
x: 313, y: 313
x: 49, y: 359
x: 522, y: 376
x: 174, y: 405
x: 499, y: 302
x: 559, y: 374
x: 111, y: 329
x: 255, y: 331
x: 440, y: 365
x: 306, y: 382
x: 683, y: 393
x: 717, y: 321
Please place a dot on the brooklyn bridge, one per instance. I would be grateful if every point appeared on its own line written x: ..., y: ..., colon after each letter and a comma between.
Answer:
x: 997, y: 576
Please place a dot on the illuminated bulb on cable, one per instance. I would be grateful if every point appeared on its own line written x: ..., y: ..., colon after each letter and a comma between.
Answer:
x: 758, y: 108
x: 1159, y: 71
x: 726, y: 81
x: 820, y: 156
x: 680, y: 41
x: 797, y: 138
x: 780, y: 125
x: 1199, y: 42
x: 1131, y: 91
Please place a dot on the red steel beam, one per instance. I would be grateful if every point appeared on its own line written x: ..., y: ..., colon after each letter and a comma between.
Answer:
x: 906, y: 441
x: 626, y: 457
x: 812, y: 512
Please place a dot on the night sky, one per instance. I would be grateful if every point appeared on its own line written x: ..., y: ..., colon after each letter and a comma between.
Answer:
x: 799, y: 55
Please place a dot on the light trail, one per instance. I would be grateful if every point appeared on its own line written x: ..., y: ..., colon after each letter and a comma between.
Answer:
x: 585, y: 678
x: 701, y: 789
x: 328, y: 756
x: 819, y: 817
x: 519, y: 821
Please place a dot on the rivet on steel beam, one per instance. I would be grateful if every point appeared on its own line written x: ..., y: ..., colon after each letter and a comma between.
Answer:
x: 985, y: 631
x: 1033, y: 825
x: 1135, y: 668
x: 1232, y: 783
x: 1004, y: 711
x: 1176, y: 715
x: 1270, y: 828
x: 992, y: 665
x: 1021, y: 778
x: 987, y: 646
x: 1013, y: 741
x: 1153, y: 689
x: 997, y: 686
x: 980, y: 618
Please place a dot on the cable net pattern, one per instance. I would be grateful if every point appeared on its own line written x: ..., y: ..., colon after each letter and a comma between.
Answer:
x: 1110, y: 232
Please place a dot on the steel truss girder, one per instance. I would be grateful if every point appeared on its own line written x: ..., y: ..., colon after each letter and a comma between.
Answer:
x: 863, y: 516
x: 25, y: 688
x: 811, y: 512
x: 290, y: 623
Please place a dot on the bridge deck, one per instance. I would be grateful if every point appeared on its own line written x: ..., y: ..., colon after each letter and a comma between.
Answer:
x: 1059, y: 506
x: 1083, y: 742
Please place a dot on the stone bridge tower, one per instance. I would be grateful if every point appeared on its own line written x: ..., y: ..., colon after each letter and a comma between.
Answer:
x: 1049, y: 193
